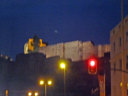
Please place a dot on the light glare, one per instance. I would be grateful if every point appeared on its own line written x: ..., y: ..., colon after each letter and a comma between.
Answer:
x: 49, y: 82
x: 29, y: 93
x: 36, y: 93
x: 92, y: 63
x: 62, y: 65
x: 41, y: 82
x: 121, y: 84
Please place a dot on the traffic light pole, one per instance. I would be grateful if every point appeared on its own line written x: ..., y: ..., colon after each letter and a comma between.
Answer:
x: 101, y: 79
x: 92, y: 69
x: 45, y: 89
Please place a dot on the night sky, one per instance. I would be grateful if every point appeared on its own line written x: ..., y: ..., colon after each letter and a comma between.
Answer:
x: 56, y: 21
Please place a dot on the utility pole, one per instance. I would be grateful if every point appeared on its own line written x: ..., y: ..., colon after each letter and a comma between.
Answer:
x: 123, y: 50
x: 64, y: 70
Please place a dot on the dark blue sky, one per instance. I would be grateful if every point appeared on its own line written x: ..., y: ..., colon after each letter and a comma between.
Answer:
x: 56, y: 21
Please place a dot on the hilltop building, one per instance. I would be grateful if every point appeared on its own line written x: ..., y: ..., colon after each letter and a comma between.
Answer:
x: 116, y: 43
x: 74, y: 50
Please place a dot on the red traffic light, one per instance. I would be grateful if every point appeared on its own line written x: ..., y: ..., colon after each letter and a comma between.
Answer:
x: 92, y: 66
x: 92, y: 63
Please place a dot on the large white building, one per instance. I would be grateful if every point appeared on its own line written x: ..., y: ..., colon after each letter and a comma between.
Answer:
x: 116, y: 43
x: 74, y: 50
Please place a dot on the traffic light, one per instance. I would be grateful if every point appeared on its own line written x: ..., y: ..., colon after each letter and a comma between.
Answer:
x: 92, y: 66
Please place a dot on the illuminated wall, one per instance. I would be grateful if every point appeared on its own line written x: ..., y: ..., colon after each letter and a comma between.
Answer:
x: 116, y: 57
x: 75, y: 50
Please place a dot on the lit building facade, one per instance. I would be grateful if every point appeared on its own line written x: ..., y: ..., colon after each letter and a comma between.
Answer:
x: 116, y: 43
x: 74, y: 50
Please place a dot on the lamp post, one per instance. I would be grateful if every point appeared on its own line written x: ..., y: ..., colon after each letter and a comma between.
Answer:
x: 42, y: 82
x: 63, y: 66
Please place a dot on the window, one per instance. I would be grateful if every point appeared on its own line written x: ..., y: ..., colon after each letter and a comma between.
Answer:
x: 113, y: 31
x: 126, y: 20
x: 127, y: 62
x: 126, y: 35
x: 114, y: 46
x: 120, y: 41
x: 120, y: 62
x: 119, y: 26
x: 114, y: 66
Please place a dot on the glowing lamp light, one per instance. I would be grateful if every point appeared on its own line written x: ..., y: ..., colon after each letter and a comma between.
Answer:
x: 121, y: 84
x: 29, y: 93
x: 92, y: 63
x: 41, y: 82
x: 36, y: 93
x: 49, y: 82
x: 62, y: 65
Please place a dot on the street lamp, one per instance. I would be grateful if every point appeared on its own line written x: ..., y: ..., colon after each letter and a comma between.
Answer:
x: 49, y: 82
x: 63, y: 66
x: 29, y: 93
x: 36, y: 94
x: 42, y: 82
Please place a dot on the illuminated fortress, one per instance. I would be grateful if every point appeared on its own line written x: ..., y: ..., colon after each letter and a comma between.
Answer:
x: 74, y: 50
